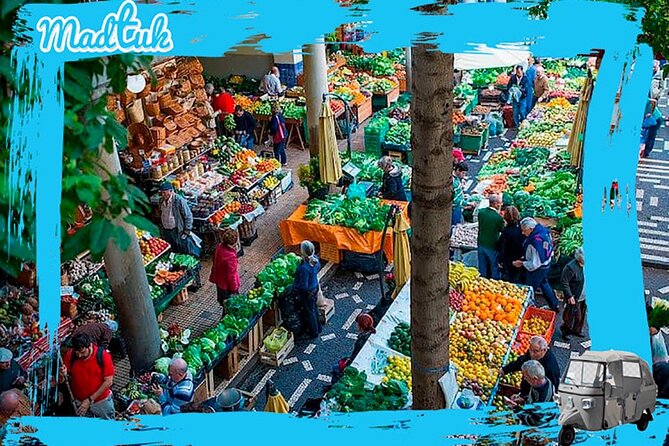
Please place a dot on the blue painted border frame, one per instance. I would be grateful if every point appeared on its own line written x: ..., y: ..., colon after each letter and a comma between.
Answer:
x: 210, y: 28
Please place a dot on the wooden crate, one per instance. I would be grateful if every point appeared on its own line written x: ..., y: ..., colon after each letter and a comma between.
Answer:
x: 182, y: 297
x: 229, y: 366
x: 206, y: 389
x: 327, y: 312
x: 330, y: 253
x: 394, y: 95
x: 363, y: 111
x: 253, y: 339
x: 276, y: 359
x: 273, y: 316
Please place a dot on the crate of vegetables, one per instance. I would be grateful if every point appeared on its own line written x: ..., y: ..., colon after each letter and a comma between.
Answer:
x: 538, y: 322
x: 473, y: 139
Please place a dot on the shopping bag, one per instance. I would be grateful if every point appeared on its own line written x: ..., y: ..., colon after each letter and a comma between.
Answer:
x: 276, y: 340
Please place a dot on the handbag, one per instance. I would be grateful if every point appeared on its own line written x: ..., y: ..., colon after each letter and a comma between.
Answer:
x: 280, y: 134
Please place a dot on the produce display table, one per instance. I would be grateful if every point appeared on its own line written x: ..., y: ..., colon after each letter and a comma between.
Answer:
x: 294, y: 127
x: 161, y: 304
x: 295, y: 229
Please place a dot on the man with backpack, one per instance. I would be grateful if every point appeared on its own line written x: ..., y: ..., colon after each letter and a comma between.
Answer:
x: 91, y: 373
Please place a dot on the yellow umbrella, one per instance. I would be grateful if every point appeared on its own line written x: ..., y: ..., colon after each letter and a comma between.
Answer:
x: 401, y: 253
x: 275, y: 401
x: 328, y: 153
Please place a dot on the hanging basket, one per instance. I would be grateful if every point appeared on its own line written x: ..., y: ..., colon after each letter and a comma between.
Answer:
x: 165, y: 100
x: 200, y: 95
x: 185, y: 85
x: 112, y: 102
x: 169, y: 124
x: 127, y: 97
x: 196, y: 80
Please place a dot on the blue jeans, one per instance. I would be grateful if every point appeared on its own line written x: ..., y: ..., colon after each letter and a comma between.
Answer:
x: 651, y: 136
x: 538, y: 279
x: 456, y: 218
x: 247, y: 141
x: 488, y: 267
x: 280, y: 152
x: 519, y: 111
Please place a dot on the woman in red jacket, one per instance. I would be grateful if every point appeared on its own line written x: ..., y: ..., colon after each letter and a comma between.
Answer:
x: 224, y: 272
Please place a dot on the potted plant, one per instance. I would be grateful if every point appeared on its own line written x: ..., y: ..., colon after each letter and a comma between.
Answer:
x: 309, y: 176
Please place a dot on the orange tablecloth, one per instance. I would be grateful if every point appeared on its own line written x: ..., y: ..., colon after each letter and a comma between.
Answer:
x: 296, y: 229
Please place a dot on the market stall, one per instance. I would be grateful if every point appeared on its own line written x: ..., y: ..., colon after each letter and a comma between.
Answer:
x: 361, y: 235
x: 491, y: 322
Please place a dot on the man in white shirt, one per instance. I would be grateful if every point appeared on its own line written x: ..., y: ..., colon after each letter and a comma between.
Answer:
x: 271, y: 84
x: 538, y: 253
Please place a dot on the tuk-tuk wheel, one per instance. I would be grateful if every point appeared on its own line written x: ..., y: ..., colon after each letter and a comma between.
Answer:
x: 642, y: 424
x: 566, y: 436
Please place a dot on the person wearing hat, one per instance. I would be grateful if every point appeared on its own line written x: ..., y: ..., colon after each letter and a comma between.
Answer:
x: 176, y: 221
x: 12, y: 376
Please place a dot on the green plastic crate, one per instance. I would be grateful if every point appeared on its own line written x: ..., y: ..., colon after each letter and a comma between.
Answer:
x: 473, y: 144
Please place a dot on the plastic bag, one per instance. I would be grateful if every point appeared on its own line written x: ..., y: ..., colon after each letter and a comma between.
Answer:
x: 356, y: 190
x: 276, y: 340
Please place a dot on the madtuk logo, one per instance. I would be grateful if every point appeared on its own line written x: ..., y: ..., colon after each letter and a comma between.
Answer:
x: 120, y: 31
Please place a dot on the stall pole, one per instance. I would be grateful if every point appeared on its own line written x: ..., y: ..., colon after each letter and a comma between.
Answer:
x: 390, y: 217
x: 315, y: 85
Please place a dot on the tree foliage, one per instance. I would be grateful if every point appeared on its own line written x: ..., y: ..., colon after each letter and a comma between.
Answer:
x: 89, y: 126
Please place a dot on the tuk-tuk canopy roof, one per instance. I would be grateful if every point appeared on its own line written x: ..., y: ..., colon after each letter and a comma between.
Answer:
x: 607, y: 357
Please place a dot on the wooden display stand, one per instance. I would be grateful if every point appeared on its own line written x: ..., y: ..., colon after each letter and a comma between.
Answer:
x: 252, y: 341
x: 229, y: 366
x: 363, y: 111
x: 272, y: 318
x: 276, y: 359
x: 295, y: 133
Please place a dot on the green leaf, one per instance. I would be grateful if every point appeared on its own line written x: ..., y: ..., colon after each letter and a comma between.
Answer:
x: 142, y: 224
x: 100, y: 235
x: 121, y: 237
x: 76, y: 244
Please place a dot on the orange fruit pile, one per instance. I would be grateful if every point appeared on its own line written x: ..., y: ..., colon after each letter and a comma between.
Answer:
x: 493, y: 306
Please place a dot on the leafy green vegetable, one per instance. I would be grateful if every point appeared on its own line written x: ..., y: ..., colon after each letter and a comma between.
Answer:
x: 363, y: 215
x: 351, y: 393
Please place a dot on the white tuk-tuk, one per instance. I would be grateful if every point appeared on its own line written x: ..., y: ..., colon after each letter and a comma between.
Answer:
x: 602, y: 390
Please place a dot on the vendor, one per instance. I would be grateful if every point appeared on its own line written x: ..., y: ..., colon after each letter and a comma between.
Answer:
x: 100, y: 333
x: 540, y: 352
x: 392, y: 187
x: 175, y: 390
x: 490, y: 228
x: 366, y: 328
x: 510, y: 245
x: 12, y: 376
x: 271, y: 83
x: 538, y: 248
x: 459, y: 172
x: 177, y: 223
x: 306, y: 288
x: 541, y: 87
x: 540, y: 388
x: 224, y: 270
x: 245, y: 126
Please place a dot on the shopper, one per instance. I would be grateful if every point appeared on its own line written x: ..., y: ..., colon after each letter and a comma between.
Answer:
x: 531, y: 74
x: 224, y: 103
x: 491, y: 225
x: 538, y: 248
x: 658, y: 345
x: 225, y: 268
x: 657, y: 85
x: 12, y: 376
x: 541, y: 87
x: 392, y: 186
x: 271, y: 83
x: 279, y: 133
x: 661, y: 377
x: 459, y: 172
x: 573, y: 287
x: 91, y: 374
x: 306, y: 286
x: 245, y: 126
x: 538, y: 351
x: 651, y: 124
x: 100, y: 333
x: 539, y: 389
x: 366, y: 328
x: 518, y: 89
x: 510, y: 245
x: 175, y: 390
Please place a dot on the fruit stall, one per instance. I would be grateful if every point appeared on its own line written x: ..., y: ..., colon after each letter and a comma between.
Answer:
x: 340, y: 223
x: 491, y: 323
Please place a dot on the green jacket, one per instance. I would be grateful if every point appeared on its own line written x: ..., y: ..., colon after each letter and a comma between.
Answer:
x: 491, y: 225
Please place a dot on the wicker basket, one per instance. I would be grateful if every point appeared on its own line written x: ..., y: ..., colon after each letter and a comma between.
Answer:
x: 200, y: 95
x: 152, y: 109
x: 165, y: 100
x: 135, y: 112
x: 169, y: 124
x: 112, y: 102
x: 197, y: 80
x: 127, y: 97
x: 159, y: 135
x: 185, y: 85
x: 120, y: 115
x: 147, y: 89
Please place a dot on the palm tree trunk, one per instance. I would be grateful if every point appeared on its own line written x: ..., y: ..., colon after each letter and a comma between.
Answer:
x: 432, y: 143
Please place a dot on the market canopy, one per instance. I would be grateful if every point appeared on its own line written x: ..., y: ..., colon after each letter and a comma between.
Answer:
x: 484, y: 56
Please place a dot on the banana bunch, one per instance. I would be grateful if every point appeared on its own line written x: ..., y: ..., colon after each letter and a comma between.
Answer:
x: 461, y: 277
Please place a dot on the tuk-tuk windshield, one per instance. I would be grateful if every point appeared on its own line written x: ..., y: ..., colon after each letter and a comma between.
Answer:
x: 585, y: 374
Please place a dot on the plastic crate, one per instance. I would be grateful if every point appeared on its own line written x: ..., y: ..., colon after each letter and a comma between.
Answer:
x: 390, y: 147
x: 546, y: 315
x: 474, y: 144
